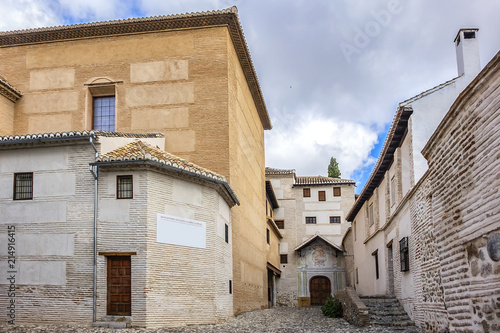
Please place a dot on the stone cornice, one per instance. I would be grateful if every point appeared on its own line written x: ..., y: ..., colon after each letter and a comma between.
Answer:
x: 9, y: 91
x: 227, y: 17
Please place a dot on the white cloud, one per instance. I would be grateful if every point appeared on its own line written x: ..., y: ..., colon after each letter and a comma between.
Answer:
x: 24, y: 14
x: 307, y: 143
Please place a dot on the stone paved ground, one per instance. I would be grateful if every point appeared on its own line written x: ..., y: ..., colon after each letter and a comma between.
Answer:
x: 282, y: 319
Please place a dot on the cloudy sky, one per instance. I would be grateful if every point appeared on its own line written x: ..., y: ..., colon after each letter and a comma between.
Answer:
x: 332, y: 71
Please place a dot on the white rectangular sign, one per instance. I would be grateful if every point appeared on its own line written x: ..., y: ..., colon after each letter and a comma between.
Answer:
x: 180, y: 231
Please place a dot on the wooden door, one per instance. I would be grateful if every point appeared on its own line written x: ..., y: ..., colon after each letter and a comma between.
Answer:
x: 320, y: 288
x: 119, y: 286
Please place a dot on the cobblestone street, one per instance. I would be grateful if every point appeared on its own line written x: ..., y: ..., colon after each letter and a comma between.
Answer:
x: 281, y: 319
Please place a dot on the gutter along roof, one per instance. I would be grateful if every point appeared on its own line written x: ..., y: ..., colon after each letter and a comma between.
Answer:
x: 394, y: 139
x: 226, y: 17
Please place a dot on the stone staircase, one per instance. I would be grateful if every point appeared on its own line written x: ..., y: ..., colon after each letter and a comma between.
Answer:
x: 386, y: 311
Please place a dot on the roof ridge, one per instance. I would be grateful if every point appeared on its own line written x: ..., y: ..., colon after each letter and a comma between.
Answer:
x: 232, y: 9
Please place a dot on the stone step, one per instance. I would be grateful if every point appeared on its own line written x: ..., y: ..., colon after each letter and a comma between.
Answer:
x: 387, y: 311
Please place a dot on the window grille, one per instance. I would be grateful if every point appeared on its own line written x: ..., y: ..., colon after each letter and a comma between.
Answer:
x: 104, y: 113
x: 124, y: 187
x: 23, y: 186
x: 404, y: 254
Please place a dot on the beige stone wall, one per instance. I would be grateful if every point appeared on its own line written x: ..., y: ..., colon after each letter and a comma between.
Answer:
x: 171, y: 284
x: 293, y: 210
x: 6, y: 116
x: 463, y: 170
x: 53, y: 240
x: 191, y: 83
x: 246, y: 176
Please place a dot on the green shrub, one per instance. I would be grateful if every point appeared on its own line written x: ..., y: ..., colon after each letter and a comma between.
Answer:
x: 332, y: 308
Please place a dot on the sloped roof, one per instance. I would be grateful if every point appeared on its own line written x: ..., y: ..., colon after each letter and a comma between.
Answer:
x: 225, y: 17
x: 140, y: 151
x: 73, y: 134
x: 393, y: 140
x: 320, y: 180
x: 271, y: 171
x: 315, y: 237
x: 270, y: 193
x: 9, y: 91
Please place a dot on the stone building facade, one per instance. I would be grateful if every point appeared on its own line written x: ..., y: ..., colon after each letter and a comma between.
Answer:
x: 411, y: 233
x: 159, y: 223
x: 311, y: 218
x: 189, y: 77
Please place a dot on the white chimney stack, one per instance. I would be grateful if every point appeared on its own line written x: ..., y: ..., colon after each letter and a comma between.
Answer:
x: 467, y: 46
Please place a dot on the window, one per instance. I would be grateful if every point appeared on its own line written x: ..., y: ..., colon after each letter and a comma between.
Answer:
x: 375, y: 255
x: 354, y: 229
x: 311, y: 220
x: 226, y: 233
x: 284, y: 258
x: 357, y: 276
x: 124, y: 187
x: 404, y: 254
x: 230, y: 286
x: 23, y: 186
x: 321, y: 196
x: 336, y: 192
x: 393, y: 190
x: 280, y: 224
x: 104, y: 113
x: 370, y: 215
x: 334, y: 219
x: 268, y: 237
x: 307, y: 192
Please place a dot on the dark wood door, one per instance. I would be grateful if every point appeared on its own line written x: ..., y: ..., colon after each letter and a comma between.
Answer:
x: 320, y: 288
x: 119, y: 286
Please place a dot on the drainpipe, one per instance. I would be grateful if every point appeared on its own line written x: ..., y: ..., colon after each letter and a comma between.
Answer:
x: 93, y: 170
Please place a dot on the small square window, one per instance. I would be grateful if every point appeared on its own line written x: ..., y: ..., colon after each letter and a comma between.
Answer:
x: 336, y: 192
x: 23, y: 186
x: 334, y: 219
x: 284, y: 258
x: 311, y: 220
x: 280, y: 224
x: 307, y: 192
x: 321, y: 196
x: 124, y: 187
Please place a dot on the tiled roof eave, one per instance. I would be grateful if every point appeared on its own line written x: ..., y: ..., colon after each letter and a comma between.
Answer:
x: 164, y: 166
x: 394, y: 138
x: 45, y: 137
x: 227, y: 17
x: 348, y: 182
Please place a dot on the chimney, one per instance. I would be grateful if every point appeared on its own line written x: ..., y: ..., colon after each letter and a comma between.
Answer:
x: 467, y: 47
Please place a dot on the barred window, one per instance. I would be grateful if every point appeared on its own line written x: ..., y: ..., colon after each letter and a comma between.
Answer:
x: 104, y: 113
x: 284, y: 258
x: 404, y: 254
x: 23, y: 186
x: 311, y: 220
x: 334, y: 219
x: 280, y: 224
x: 124, y: 187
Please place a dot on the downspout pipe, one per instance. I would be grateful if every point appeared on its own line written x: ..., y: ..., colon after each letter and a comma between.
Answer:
x: 94, y: 171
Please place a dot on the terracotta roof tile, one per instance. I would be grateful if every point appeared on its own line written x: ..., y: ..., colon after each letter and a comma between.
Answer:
x: 271, y: 171
x: 142, y: 151
x: 320, y: 180
x: 63, y: 135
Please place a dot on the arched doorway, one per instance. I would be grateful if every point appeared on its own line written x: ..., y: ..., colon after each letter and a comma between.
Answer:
x: 320, y: 288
